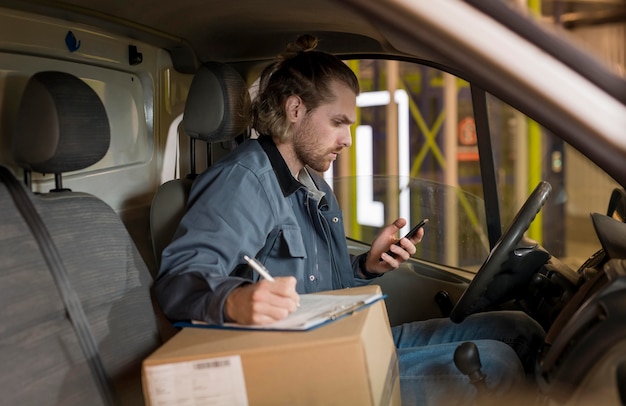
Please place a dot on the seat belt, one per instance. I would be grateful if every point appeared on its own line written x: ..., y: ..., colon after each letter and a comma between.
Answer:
x: 55, y: 265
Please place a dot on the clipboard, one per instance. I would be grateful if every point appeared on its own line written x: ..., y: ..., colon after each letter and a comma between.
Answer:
x: 316, y: 309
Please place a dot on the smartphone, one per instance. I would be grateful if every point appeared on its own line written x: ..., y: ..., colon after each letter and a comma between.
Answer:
x: 410, y: 234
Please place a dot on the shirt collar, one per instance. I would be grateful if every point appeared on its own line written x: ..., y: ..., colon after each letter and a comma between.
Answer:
x: 305, y: 178
x: 287, y: 182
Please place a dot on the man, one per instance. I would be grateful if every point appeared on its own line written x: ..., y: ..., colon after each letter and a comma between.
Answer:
x: 267, y: 200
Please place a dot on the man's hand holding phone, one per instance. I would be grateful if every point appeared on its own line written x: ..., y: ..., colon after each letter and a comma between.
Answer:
x: 410, y: 234
x: 381, y: 258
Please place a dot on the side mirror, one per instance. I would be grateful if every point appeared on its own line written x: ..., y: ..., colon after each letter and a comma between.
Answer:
x: 617, y: 205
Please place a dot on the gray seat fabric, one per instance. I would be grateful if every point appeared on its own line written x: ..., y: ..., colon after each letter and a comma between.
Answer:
x: 168, y: 207
x: 37, y: 341
x: 216, y: 110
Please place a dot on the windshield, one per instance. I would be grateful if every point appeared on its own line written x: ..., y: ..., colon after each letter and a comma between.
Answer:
x: 409, y: 159
x: 456, y: 234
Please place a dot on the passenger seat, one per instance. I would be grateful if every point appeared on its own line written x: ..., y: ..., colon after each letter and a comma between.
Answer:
x: 216, y: 110
x: 62, y: 126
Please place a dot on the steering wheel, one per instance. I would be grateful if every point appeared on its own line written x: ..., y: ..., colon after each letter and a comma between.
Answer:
x: 476, y: 297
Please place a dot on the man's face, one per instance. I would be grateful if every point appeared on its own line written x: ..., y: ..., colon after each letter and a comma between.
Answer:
x: 325, y: 131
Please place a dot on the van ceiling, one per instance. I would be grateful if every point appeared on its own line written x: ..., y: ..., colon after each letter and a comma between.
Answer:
x: 227, y: 31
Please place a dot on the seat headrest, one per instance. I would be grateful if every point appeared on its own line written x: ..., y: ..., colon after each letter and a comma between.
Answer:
x: 62, y: 125
x: 218, y: 103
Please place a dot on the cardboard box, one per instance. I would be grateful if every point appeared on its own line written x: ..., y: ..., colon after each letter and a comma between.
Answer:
x: 351, y: 361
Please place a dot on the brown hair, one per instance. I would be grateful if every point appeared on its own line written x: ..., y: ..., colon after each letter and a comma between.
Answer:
x: 300, y: 71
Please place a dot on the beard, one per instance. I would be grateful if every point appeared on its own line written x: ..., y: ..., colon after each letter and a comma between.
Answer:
x: 309, y: 150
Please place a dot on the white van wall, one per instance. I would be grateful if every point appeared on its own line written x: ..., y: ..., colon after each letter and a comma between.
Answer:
x: 142, y: 100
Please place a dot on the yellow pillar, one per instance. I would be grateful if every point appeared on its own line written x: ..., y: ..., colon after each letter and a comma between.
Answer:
x: 534, y: 150
x: 393, y: 197
x: 347, y: 168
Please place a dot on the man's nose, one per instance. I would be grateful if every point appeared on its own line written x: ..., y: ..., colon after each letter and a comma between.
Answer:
x: 346, y: 138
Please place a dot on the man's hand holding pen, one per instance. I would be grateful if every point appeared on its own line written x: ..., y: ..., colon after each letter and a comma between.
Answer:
x: 263, y: 302
x: 267, y: 301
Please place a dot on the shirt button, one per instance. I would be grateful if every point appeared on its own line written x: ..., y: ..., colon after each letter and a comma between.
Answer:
x: 335, y: 219
x: 311, y: 278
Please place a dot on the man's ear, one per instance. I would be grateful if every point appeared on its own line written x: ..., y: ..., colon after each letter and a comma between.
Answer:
x: 294, y: 108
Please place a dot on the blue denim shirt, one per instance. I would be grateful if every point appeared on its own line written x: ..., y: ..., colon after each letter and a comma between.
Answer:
x: 250, y: 204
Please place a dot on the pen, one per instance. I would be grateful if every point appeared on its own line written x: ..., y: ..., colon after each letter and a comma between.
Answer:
x: 258, y: 266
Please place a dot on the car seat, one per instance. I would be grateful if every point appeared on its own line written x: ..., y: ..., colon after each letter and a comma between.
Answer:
x: 71, y: 275
x: 216, y: 110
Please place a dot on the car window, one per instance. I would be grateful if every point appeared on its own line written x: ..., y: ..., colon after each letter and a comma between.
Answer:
x: 122, y: 94
x: 409, y: 160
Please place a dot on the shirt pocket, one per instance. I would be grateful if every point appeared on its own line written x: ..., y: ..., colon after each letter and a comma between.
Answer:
x: 292, y: 243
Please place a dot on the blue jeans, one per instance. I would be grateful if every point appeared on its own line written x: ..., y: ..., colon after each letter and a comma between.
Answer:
x: 508, y: 343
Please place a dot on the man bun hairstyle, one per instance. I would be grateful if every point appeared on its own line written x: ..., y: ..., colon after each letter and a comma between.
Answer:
x: 304, y: 43
x: 301, y: 71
